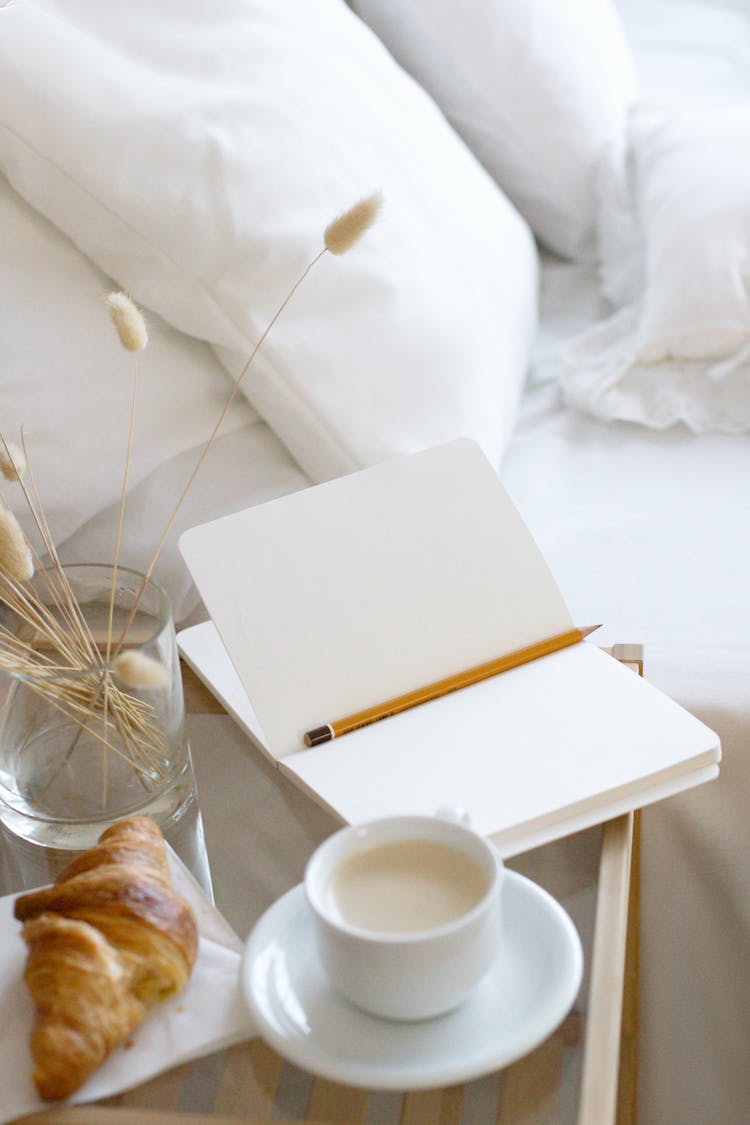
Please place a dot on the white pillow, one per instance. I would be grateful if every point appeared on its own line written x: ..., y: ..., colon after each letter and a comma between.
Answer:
x: 676, y: 236
x: 537, y: 88
x: 196, y: 152
x: 67, y: 380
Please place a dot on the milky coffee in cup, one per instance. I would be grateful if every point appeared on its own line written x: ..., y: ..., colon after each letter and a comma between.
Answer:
x: 405, y: 885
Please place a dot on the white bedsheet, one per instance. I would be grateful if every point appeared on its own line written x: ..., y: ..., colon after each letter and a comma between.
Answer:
x: 651, y: 530
x: 648, y: 532
x: 690, y: 51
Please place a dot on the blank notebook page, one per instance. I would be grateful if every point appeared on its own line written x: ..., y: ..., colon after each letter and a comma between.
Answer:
x: 347, y: 594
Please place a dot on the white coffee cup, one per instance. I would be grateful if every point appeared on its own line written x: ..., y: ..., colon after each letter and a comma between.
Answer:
x: 392, y: 939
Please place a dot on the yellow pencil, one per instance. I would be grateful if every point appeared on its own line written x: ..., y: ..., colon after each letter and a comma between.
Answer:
x: 442, y: 687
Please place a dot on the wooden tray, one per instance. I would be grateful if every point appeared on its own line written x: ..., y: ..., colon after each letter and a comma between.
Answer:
x: 249, y: 1083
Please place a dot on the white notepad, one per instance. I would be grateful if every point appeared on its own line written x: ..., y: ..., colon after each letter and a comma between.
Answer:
x: 357, y: 590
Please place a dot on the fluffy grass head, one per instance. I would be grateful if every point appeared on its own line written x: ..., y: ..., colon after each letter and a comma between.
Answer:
x: 127, y: 319
x: 139, y: 671
x: 16, y: 561
x: 12, y: 461
x: 347, y: 229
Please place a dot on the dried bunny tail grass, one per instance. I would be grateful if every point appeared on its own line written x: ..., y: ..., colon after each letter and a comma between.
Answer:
x: 15, y: 555
x: 339, y: 236
x: 343, y: 232
x: 12, y: 461
x: 136, y: 670
x: 127, y: 319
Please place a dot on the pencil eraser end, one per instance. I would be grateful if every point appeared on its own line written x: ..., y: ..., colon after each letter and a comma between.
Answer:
x: 318, y: 735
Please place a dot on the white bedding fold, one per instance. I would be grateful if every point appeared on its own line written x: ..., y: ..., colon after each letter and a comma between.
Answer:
x: 68, y: 382
x: 196, y: 154
x: 675, y: 239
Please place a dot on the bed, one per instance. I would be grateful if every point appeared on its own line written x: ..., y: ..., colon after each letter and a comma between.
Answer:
x: 642, y: 518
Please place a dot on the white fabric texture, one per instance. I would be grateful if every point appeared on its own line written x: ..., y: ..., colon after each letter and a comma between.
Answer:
x: 690, y: 52
x: 66, y: 379
x: 537, y: 88
x: 197, y: 153
x: 676, y: 244
x: 645, y: 531
x: 245, y: 467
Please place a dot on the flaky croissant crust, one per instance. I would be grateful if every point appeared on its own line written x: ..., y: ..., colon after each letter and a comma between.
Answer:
x: 109, y: 939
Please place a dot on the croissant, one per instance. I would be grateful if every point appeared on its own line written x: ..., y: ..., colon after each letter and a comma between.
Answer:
x: 105, y: 942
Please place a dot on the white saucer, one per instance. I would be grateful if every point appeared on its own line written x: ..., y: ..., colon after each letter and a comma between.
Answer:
x: 516, y: 1006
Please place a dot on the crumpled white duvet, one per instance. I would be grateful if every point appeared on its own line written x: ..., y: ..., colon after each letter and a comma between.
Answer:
x: 674, y: 230
x: 675, y: 243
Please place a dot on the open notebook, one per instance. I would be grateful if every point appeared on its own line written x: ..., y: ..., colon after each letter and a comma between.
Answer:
x: 352, y: 592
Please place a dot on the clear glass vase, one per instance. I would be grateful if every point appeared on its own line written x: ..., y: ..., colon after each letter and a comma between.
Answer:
x: 86, y: 738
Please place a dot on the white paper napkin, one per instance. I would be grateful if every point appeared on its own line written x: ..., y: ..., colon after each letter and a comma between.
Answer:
x: 208, y: 1015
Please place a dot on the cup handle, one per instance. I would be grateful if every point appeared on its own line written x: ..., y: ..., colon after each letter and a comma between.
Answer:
x: 455, y: 814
